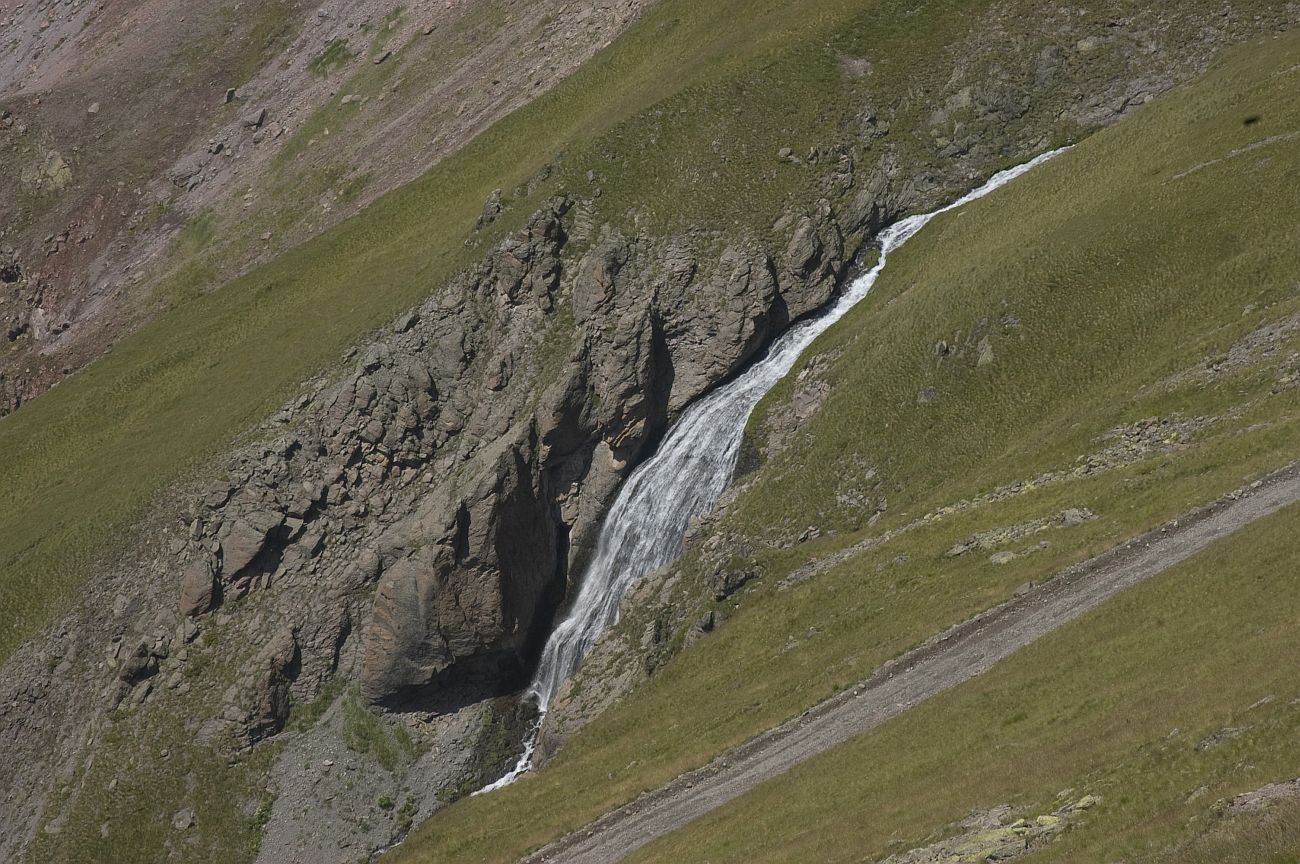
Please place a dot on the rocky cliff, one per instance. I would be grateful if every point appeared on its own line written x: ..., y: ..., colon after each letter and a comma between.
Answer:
x: 414, y: 526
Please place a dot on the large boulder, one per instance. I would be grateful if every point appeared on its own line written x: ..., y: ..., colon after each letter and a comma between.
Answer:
x: 198, y: 588
x: 275, y: 668
x: 246, y: 540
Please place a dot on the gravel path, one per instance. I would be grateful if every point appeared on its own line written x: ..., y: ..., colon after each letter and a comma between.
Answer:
x: 947, y: 660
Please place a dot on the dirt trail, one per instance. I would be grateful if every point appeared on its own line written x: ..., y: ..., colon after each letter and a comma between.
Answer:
x: 947, y: 660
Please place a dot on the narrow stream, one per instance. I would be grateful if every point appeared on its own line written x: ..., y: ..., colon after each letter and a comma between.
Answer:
x: 644, y: 530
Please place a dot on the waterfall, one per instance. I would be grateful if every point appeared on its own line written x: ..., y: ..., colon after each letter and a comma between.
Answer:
x: 644, y: 530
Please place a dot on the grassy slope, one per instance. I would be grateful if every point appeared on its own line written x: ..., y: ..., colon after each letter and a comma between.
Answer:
x: 1120, y: 275
x: 1144, y: 273
x: 1112, y: 705
x: 83, y: 461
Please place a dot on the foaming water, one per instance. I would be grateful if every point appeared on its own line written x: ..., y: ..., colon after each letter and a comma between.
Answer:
x: 644, y: 530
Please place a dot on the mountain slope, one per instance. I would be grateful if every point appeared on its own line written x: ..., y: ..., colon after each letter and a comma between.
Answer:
x: 945, y: 661
x: 161, y: 151
x: 1142, y: 705
x: 1136, y: 359
x: 321, y: 516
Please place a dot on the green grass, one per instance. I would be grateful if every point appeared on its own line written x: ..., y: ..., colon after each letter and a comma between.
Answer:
x: 1104, y: 258
x: 270, y: 28
x: 1112, y: 705
x: 334, y: 55
x: 1120, y: 275
x: 363, y: 732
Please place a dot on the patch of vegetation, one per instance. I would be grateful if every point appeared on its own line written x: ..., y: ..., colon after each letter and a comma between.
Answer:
x: 197, y: 233
x: 384, y: 31
x: 363, y: 732
x: 1269, y: 836
x: 334, y: 55
x: 303, y: 718
x: 155, y: 213
x: 269, y: 28
x: 351, y: 189
x: 1102, y: 278
x: 119, y: 805
x: 330, y: 119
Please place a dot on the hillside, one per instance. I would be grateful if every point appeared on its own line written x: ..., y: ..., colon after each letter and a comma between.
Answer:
x: 277, y: 564
x: 161, y: 150
x: 1137, y: 308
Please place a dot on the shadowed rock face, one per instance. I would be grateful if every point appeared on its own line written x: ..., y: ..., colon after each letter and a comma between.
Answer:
x: 473, y: 583
x: 476, y: 591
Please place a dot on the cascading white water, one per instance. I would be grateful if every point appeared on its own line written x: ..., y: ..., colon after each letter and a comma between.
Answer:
x: 645, y: 527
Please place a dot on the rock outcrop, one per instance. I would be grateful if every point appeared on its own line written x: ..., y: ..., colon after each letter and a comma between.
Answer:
x: 414, y: 525
x: 467, y: 515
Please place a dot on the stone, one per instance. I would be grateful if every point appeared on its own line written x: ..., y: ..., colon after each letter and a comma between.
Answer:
x: 469, y: 592
x: 275, y: 668
x: 985, y: 352
x: 1075, y: 516
x: 1087, y: 802
x: 139, y: 665
x: 93, y: 109
x: 1262, y: 798
x: 183, y: 820
x: 245, y: 542
x: 804, y: 251
x: 1000, y: 558
x: 727, y: 581
x: 491, y: 210
x: 230, y: 95
x: 1209, y: 742
x: 406, y: 322
x: 990, y: 835
x: 198, y: 589
x: 255, y: 119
